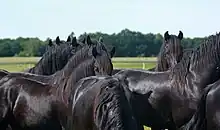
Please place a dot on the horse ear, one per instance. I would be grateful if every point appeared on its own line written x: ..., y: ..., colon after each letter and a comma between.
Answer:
x: 68, y: 39
x: 94, y: 52
x: 166, y: 36
x: 74, y: 42
x: 50, y: 42
x: 101, y: 39
x: 88, y: 40
x: 180, y: 36
x: 58, y: 40
x: 112, y: 52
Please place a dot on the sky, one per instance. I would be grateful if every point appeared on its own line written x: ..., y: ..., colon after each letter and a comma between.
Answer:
x: 51, y: 18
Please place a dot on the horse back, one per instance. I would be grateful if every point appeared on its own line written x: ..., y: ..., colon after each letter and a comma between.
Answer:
x: 29, y: 104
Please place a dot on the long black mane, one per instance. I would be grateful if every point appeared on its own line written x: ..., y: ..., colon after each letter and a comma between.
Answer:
x: 204, y: 56
x: 112, y: 110
x: 105, y: 105
x: 56, y: 57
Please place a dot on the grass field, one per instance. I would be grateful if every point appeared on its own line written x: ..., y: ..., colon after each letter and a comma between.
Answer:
x: 16, y: 64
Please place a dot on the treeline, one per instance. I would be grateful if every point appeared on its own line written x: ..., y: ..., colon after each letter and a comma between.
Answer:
x: 128, y: 43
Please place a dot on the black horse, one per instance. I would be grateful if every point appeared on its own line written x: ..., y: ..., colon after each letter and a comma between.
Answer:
x: 28, y: 103
x: 170, y: 53
x: 87, y: 43
x: 206, y: 116
x: 54, y: 59
x: 100, y: 103
x: 174, y: 93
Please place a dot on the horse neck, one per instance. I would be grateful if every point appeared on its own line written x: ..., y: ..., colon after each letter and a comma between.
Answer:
x: 79, y: 66
x: 43, y: 67
x: 74, y: 61
x: 85, y: 69
x: 195, y: 70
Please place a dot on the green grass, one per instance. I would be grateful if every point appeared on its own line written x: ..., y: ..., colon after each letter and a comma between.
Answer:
x: 133, y: 65
x: 35, y: 59
x: 18, y: 59
x: 15, y: 67
x: 21, y: 67
x: 9, y: 64
x: 133, y: 58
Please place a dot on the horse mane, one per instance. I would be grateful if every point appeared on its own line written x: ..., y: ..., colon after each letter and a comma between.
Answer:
x: 53, y: 60
x: 63, y: 76
x: 187, y: 52
x: 81, y: 55
x: 80, y: 65
x: 196, y: 60
x: 111, y: 110
x: 206, y: 53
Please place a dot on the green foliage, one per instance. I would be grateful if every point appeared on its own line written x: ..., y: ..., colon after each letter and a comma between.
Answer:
x: 128, y: 43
